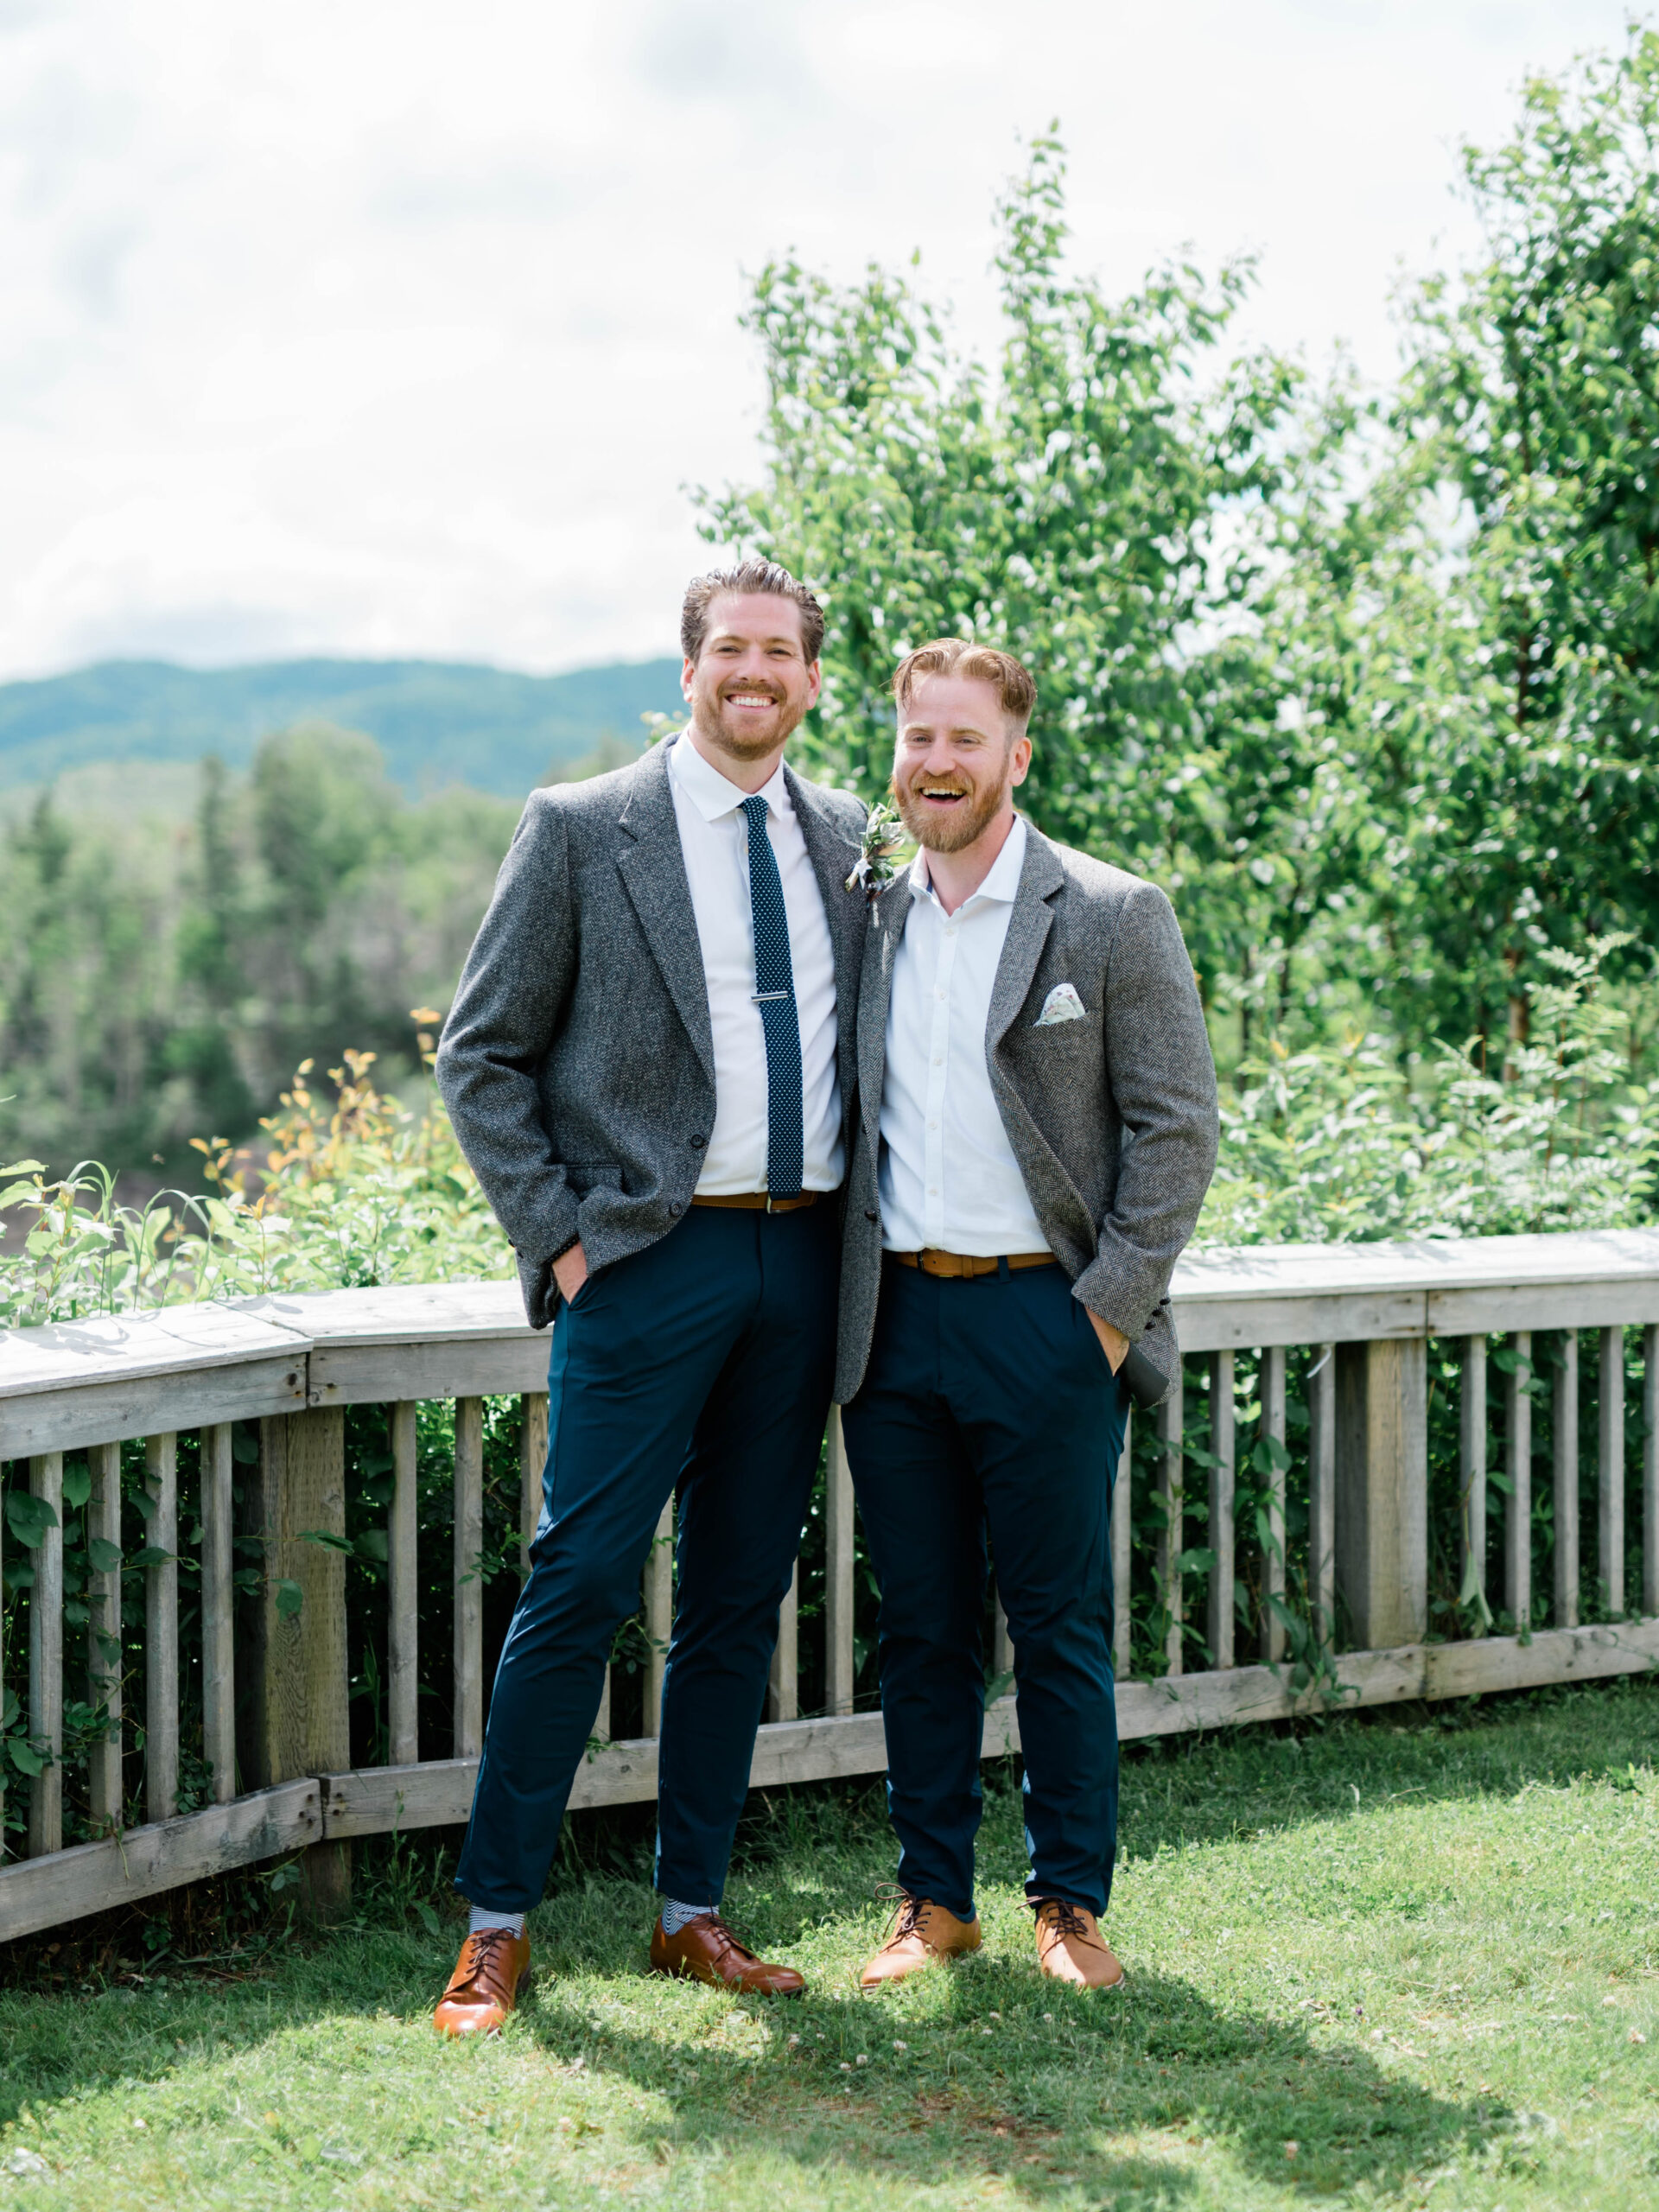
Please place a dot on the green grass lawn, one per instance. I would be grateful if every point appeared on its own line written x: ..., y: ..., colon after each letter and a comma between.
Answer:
x: 1383, y: 1965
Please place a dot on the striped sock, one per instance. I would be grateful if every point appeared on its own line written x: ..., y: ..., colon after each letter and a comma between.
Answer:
x: 676, y: 1915
x: 481, y: 1918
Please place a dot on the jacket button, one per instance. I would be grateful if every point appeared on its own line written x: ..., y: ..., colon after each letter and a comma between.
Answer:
x: 870, y: 1214
x: 675, y: 1209
x: 696, y: 1143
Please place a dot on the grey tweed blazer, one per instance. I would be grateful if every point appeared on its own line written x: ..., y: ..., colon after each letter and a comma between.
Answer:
x: 578, y: 1060
x: 1112, y: 1119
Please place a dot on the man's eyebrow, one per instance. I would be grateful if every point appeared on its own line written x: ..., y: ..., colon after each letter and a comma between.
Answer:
x: 957, y: 729
x: 731, y: 638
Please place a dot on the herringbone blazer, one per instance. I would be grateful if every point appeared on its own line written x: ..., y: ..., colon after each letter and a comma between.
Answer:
x: 577, y: 1061
x: 1112, y: 1118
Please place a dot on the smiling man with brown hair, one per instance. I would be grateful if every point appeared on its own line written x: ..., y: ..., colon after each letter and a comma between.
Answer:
x: 1036, y: 1132
x: 649, y: 1063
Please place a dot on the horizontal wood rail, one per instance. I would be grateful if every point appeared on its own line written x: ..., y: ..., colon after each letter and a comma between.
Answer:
x: 257, y: 1710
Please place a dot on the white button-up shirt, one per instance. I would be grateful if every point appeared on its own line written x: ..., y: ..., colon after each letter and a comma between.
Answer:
x: 715, y: 839
x: 949, y: 1179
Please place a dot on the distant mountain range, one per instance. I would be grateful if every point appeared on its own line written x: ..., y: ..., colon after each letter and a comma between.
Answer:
x: 438, y: 723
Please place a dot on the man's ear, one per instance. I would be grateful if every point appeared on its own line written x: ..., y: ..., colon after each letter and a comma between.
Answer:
x: 814, y: 682
x: 1021, y: 759
x: 688, y: 670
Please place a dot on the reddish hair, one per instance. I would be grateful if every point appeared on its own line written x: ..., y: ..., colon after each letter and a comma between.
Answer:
x: 1010, y: 679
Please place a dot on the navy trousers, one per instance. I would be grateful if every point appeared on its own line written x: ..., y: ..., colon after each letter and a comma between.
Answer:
x: 989, y: 1404
x: 704, y: 1362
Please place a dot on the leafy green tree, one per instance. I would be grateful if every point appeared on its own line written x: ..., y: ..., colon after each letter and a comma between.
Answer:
x: 1524, y: 796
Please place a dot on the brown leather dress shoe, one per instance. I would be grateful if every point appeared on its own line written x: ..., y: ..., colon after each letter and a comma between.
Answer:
x: 492, y: 1969
x: 706, y: 1950
x: 1070, y: 1948
x: 922, y: 1934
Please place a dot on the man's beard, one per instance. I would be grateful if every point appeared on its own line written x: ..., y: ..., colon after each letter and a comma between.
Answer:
x: 949, y: 833
x: 741, y: 739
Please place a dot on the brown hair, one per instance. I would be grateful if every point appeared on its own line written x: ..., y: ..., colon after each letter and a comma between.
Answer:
x: 1011, y: 680
x: 749, y: 576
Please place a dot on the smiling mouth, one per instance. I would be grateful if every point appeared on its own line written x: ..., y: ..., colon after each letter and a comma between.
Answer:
x: 936, y: 797
x: 751, y: 702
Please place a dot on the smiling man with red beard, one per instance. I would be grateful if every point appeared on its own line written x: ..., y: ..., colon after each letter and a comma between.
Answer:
x: 1037, y: 1128
x: 649, y: 1063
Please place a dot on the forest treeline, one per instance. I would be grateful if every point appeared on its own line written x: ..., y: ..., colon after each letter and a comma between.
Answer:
x: 160, y: 981
x: 1369, y: 681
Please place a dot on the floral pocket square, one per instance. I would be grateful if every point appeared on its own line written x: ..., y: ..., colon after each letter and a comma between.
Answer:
x: 1062, y: 1004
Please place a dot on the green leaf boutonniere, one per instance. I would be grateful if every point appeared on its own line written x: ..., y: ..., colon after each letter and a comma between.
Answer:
x: 883, y: 840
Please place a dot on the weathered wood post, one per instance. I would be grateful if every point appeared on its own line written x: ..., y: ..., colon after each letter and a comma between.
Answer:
x: 468, y: 1578
x: 659, y: 1615
x: 161, y: 1629
x: 1517, y: 1508
x: 46, y: 1658
x: 104, y: 1639
x: 1564, y: 1427
x: 299, y: 1718
x: 403, y: 1640
x: 837, y: 1572
x: 1218, y: 1620
x: 1273, y: 1567
x: 1170, y: 1537
x: 1471, y: 1465
x: 218, y: 1618
x: 1322, y: 1492
x: 1610, y: 1471
x: 532, y: 1469
x: 1123, y: 1527
x: 783, y: 1692
x: 1382, y: 1504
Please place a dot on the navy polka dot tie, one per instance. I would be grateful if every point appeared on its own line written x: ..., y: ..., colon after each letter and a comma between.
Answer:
x: 774, y: 991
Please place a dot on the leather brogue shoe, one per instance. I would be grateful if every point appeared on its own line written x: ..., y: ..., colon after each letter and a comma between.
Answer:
x: 705, y: 1950
x: 492, y: 1969
x: 922, y: 1934
x: 1070, y: 1948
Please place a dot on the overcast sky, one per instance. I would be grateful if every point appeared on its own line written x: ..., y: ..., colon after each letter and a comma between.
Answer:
x: 386, y: 327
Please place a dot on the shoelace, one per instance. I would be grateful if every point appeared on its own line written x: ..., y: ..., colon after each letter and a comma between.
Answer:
x: 485, y: 1945
x: 1067, y: 1920
x: 727, y: 1941
x: 907, y: 1912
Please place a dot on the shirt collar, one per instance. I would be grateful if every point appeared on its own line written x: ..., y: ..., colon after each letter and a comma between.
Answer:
x: 1002, y: 883
x: 714, y: 795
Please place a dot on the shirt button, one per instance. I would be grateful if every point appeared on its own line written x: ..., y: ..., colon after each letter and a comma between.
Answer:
x: 932, y: 1125
x: 938, y: 1063
x: 932, y: 1190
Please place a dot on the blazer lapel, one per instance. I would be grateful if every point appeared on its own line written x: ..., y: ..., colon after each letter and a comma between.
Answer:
x: 833, y: 855
x: 652, y: 867
x: 1029, y: 924
x: 891, y: 912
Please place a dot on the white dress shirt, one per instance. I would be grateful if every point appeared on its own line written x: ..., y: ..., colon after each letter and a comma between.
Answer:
x: 715, y: 839
x: 949, y: 1179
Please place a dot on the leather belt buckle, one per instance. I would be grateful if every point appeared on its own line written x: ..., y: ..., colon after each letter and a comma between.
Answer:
x: 967, y: 1266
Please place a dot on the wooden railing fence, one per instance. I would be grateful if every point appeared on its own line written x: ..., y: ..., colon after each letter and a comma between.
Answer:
x: 272, y: 1711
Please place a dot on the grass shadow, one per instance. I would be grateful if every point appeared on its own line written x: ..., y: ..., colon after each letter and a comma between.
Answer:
x: 1006, y: 2077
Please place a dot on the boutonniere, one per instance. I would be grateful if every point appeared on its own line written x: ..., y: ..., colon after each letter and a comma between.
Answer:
x: 883, y: 840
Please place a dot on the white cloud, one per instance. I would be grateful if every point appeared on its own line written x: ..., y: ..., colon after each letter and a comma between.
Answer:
x: 398, y: 327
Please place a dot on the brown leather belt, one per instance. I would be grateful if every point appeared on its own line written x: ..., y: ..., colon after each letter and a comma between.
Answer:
x: 954, y: 1265
x: 762, y: 1202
